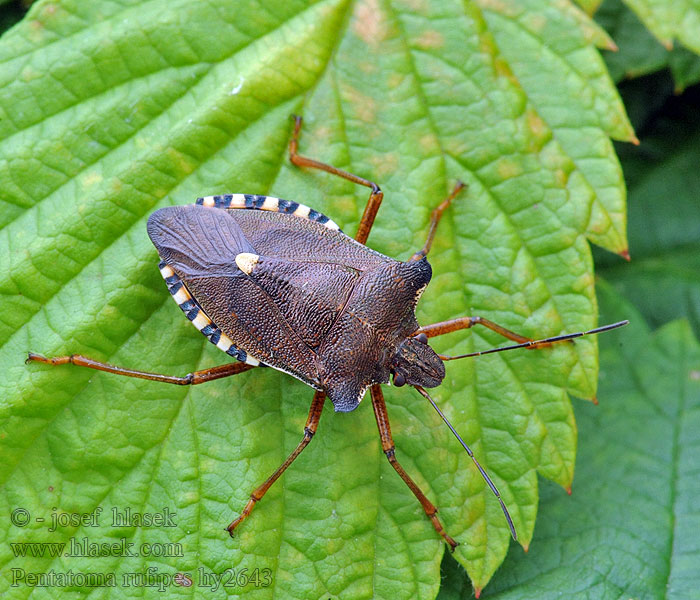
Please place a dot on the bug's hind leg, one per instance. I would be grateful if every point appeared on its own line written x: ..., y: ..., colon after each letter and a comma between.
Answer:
x: 309, y: 431
x: 375, y: 197
x: 190, y: 379
x: 435, y: 217
x: 389, y: 449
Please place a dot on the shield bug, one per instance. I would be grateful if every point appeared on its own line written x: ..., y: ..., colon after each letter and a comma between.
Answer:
x: 275, y: 283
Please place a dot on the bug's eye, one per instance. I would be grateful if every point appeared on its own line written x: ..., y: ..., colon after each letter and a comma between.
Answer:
x: 422, y: 338
x: 399, y: 380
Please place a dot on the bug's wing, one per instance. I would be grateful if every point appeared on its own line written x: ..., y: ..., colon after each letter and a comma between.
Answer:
x: 196, y: 241
x: 200, y: 245
x: 280, y: 235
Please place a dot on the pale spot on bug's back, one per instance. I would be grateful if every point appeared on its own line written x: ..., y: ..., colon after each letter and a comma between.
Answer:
x: 246, y: 262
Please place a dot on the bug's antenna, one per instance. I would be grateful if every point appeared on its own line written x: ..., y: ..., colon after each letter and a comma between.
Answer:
x: 532, y: 343
x: 487, y: 479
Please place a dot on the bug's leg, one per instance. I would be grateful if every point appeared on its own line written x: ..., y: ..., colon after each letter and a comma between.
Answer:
x: 467, y: 322
x: 389, y: 449
x: 190, y: 379
x: 309, y: 431
x: 375, y: 197
x: 435, y: 217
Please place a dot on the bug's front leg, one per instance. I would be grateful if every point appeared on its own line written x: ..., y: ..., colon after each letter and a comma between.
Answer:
x: 309, y: 431
x: 523, y: 342
x: 193, y: 378
x: 390, y: 450
x: 375, y: 197
x: 467, y: 323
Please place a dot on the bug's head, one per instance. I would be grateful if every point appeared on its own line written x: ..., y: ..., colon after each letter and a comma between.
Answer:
x: 416, y: 363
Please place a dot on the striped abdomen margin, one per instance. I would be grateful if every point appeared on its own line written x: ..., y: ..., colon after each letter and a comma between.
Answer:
x: 270, y: 203
x: 199, y: 318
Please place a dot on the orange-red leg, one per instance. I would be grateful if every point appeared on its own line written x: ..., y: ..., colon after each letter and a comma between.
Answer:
x: 468, y: 322
x: 190, y: 379
x: 389, y: 449
x: 435, y: 217
x: 375, y: 197
x: 309, y: 431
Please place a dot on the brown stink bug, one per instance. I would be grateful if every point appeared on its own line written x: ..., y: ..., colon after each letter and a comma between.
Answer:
x: 275, y: 283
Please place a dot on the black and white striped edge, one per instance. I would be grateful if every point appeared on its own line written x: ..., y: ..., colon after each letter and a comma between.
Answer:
x: 270, y: 203
x: 199, y: 319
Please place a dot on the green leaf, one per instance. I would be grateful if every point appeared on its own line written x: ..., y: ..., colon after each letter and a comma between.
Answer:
x: 670, y: 21
x: 660, y: 281
x: 629, y: 528
x: 109, y: 110
x: 589, y: 6
x: 639, y: 52
x: 662, y: 277
x: 550, y: 52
